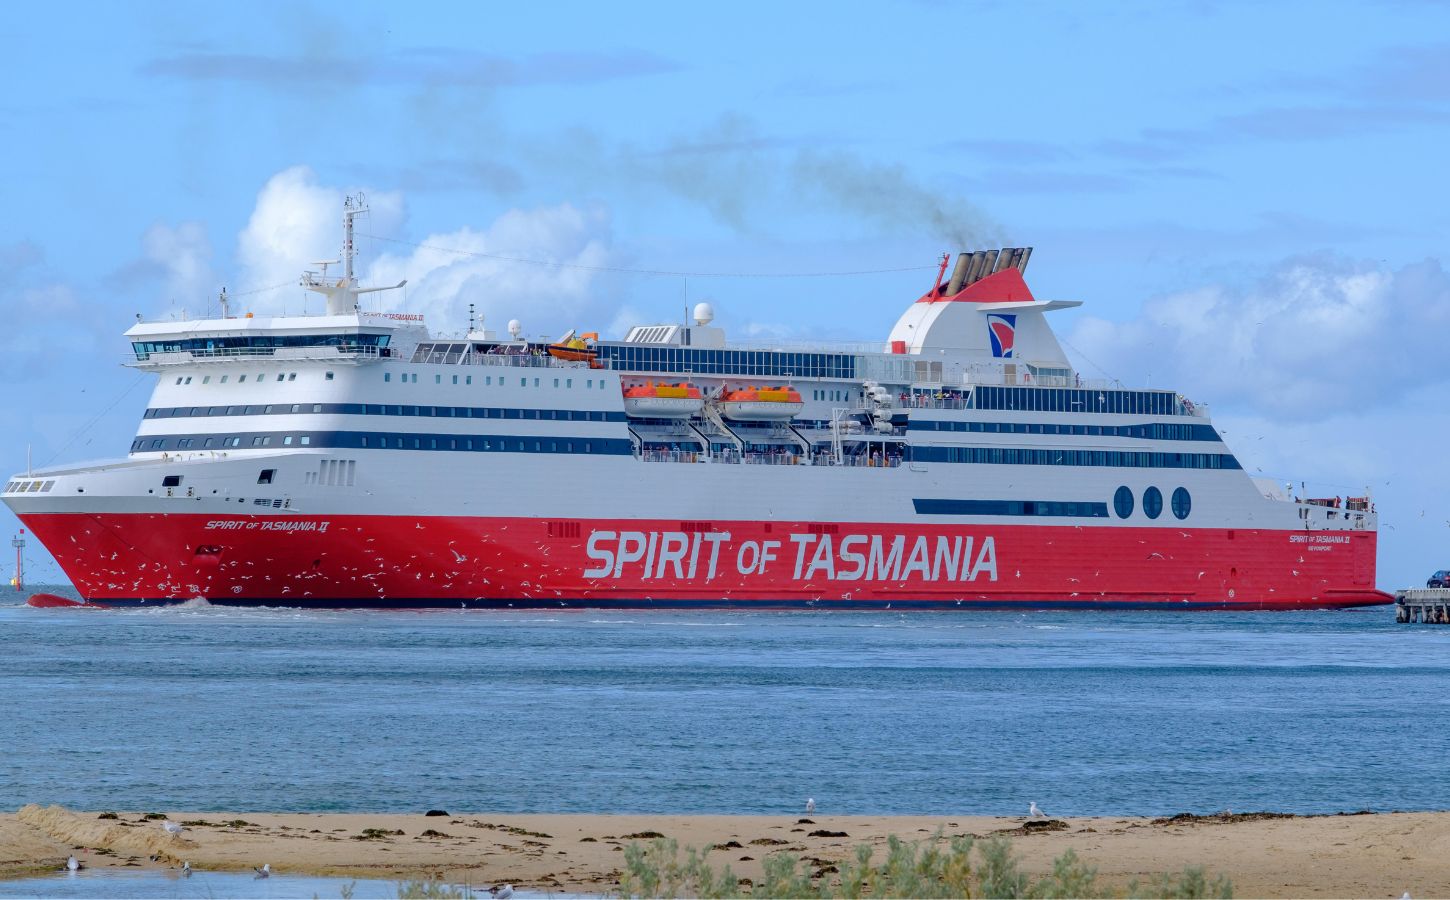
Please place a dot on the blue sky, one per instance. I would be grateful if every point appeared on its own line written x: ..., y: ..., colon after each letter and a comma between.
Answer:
x: 1249, y: 197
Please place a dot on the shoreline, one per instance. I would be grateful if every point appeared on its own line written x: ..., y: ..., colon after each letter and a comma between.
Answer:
x: 1264, y: 854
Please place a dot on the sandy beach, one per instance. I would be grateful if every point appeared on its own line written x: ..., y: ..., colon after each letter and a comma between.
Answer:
x: 1319, y: 856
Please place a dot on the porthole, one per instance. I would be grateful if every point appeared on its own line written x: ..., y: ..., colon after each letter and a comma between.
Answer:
x: 1152, y: 503
x: 1182, y: 503
x: 1123, y: 502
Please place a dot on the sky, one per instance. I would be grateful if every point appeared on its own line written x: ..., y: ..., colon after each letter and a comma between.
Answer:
x: 1250, y: 199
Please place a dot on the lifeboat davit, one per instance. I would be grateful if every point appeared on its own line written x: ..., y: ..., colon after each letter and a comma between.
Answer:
x: 662, y: 401
x: 761, y: 404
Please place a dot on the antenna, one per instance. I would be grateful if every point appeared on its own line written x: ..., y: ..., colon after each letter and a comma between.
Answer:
x: 226, y: 312
x: 342, y: 295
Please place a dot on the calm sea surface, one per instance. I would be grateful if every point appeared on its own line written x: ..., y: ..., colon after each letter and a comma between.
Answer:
x: 959, y: 712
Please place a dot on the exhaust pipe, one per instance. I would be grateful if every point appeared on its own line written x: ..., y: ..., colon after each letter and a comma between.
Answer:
x: 958, y: 274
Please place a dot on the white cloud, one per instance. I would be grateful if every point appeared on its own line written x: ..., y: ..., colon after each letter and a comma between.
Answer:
x: 297, y: 222
x: 444, y: 274
x: 184, y: 254
x: 1312, y: 339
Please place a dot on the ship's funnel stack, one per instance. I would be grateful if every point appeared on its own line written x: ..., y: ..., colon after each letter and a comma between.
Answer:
x: 973, y: 266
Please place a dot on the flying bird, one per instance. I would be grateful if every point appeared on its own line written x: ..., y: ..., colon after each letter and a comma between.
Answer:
x: 810, y: 805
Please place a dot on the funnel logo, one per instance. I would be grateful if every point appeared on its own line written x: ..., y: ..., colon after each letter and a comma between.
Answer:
x: 1002, y: 329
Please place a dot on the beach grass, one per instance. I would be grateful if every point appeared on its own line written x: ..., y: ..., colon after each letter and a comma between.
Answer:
x: 932, y: 868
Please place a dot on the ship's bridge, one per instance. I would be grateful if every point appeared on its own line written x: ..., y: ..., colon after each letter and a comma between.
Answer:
x: 357, y: 338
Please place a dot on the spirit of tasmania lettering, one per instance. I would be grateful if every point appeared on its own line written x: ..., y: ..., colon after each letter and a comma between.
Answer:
x: 705, y: 556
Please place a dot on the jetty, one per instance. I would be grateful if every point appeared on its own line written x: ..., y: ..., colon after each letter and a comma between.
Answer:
x: 1428, y: 605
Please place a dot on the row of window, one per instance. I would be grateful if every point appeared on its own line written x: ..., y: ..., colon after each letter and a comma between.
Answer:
x: 360, y: 440
x: 1016, y: 456
x: 387, y: 409
x: 488, y: 380
x: 1040, y: 399
x: 1065, y: 508
x: 1160, y: 431
x: 242, y: 379
x: 28, y: 487
x: 1182, y: 502
x: 221, y: 346
x: 764, y: 363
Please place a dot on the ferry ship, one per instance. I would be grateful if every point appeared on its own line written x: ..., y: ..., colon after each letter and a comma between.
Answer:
x: 354, y: 459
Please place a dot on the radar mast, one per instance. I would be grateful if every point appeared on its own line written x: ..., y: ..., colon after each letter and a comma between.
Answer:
x: 342, y: 294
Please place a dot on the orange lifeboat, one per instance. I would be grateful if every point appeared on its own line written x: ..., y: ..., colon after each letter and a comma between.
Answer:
x: 761, y: 404
x: 662, y: 401
x: 574, y: 349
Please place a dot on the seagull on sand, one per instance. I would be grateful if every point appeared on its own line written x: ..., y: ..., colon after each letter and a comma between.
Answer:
x: 265, y: 871
x: 73, y: 865
x: 171, y: 827
x: 810, y: 805
x: 1033, y: 811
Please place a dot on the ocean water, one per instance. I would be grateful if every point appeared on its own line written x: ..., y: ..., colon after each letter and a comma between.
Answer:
x: 1085, y: 713
x: 143, y: 884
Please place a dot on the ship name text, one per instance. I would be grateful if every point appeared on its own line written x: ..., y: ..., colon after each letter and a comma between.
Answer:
x: 682, y: 556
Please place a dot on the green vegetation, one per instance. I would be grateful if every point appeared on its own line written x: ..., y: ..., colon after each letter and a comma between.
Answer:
x: 955, y: 867
x: 432, y: 890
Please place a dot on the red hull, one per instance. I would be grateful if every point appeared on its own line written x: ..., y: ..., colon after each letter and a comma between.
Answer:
x: 395, y: 561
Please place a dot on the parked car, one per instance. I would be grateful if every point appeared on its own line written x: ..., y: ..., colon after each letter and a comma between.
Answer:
x: 1440, y: 579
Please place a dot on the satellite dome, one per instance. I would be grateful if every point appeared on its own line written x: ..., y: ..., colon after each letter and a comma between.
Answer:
x: 515, y: 328
x: 704, y: 314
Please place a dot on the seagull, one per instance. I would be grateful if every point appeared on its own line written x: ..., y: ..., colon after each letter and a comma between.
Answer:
x: 810, y: 805
x: 265, y: 871
x: 1032, y: 810
x: 171, y: 827
x: 186, y: 870
x: 503, y: 892
x: 73, y: 864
